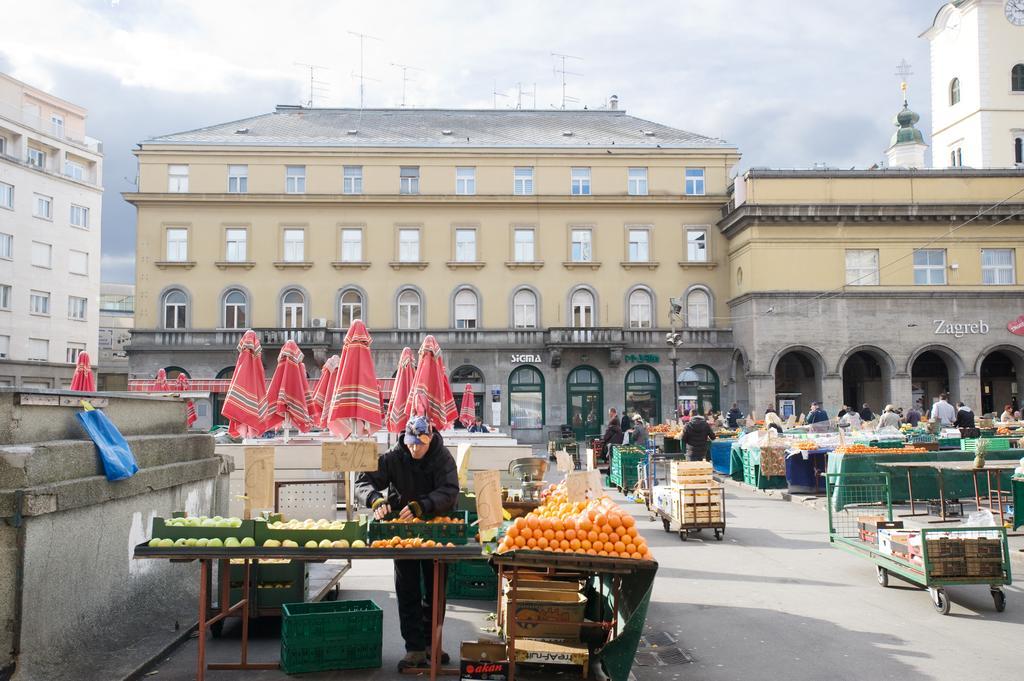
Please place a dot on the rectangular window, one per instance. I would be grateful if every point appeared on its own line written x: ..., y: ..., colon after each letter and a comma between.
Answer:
x: 238, y: 179
x: 36, y: 158
x: 351, y: 245
x: 695, y: 181
x: 5, y: 348
x: 39, y: 349
x: 465, y: 180
x: 76, y: 171
x: 6, y: 195
x: 639, y: 245
x: 43, y: 207
x: 522, y: 181
x: 526, y: 407
x: 5, y: 297
x: 465, y: 245
x: 409, y: 245
x: 235, y: 246
x: 73, y: 350
x: 930, y: 267
x: 42, y: 255
x: 637, y: 185
x: 3, y: 146
x: 524, y: 245
x: 862, y: 267
x: 78, y: 262
x: 581, y: 181
x: 582, y: 250
x: 295, y: 179
x: 6, y: 246
x: 177, y: 179
x: 997, y: 266
x: 409, y: 178
x: 177, y: 245
x: 294, y: 245
x: 79, y: 216
x: 77, y: 307
x: 697, y: 245
x: 39, y: 302
x: 352, y: 180
x: 57, y: 124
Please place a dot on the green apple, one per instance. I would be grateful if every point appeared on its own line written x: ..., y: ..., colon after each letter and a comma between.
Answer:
x: 166, y: 543
x: 200, y: 543
x: 340, y: 544
x: 153, y: 543
x: 207, y: 522
x: 272, y: 544
x: 232, y: 543
x: 325, y: 543
x: 359, y: 544
x: 289, y: 544
x: 218, y: 518
x: 215, y: 543
x: 248, y: 541
x: 311, y: 544
x: 192, y: 522
x: 190, y: 541
x: 180, y: 543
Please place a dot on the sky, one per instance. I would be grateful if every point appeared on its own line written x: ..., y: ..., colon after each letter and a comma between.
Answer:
x: 791, y: 83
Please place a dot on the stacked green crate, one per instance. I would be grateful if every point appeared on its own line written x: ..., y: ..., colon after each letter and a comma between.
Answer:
x: 455, y: 533
x: 623, y: 470
x: 331, y: 635
x: 472, y: 580
x: 272, y: 584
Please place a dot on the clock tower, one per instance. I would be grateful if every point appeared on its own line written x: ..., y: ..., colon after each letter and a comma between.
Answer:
x: 977, y: 72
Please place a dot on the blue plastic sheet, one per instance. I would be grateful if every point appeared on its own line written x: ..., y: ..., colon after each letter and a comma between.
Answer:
x: 118, y: 460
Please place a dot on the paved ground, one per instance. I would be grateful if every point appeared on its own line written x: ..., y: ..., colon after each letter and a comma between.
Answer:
x: 773, y: 599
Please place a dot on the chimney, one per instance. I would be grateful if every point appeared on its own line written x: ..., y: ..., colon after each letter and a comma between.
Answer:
x: 613, y: 102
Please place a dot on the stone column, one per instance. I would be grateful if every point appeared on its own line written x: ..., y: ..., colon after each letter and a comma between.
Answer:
x: 761, y: 392
x: 901, y: 391
x: 970, y: 392
x: 831, y: 394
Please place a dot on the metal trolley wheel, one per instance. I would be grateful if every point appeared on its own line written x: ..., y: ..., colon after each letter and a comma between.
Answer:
x: 883, y: 575
x: 999, y: 598
x: 940, y: 600
x: 719, y: 533
x: 667, y: 524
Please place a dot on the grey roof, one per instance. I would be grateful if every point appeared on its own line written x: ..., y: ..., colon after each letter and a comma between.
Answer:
x: 291, y: 126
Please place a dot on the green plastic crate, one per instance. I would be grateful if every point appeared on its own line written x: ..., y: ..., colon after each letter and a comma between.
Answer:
x: 472, y: 580
x: 456, y: 533
x: 331, y: 622
x: 352, y: 530
x: 351, y: 654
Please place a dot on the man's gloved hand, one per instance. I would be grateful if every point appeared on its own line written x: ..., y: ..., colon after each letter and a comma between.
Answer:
x: 380, y: 508
x: 413, y: 510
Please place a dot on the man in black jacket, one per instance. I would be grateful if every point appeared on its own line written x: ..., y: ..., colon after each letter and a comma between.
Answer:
x: 696, y: 436
x: 732, y: 418
x: 416, y: 478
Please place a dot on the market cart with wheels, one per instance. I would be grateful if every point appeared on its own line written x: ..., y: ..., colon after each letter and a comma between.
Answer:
x: 691, y: 509
x: 861, y: 522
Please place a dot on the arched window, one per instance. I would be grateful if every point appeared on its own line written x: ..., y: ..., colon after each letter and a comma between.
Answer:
x: 526, y: 397
x: 640, y: 309
x: 698, y: 309
x: 466, y: 309
x: 175, y: 307
x: 293, y: 309
x: 643, y: 393
x: 585, y: 398
x: 954, y: 91
x: 1017, y: 78
x: 350, y: 308
x: 235, y: 306
x: 582, y: 308
x: 408, y: 309
x: 524, y: 309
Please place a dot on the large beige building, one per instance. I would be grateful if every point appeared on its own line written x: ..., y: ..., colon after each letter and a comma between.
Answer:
x: 542, y: 248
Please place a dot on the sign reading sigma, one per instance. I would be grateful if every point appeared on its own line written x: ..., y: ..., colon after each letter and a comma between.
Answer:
x: 959, y: 329
x: 1016, y: 327
x: 527, y: 358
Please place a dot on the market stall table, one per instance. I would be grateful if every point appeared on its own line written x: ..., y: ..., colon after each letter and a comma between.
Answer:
x: 206, y: 556
x: 721, y: 455
x: 997, y: 467
x: 804, y: 471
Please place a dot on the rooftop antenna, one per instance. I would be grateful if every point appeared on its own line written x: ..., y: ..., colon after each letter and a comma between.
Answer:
x: 315, y: 86
x: 497, y: 94
x: 405, y: 77
x: 564, y: 73
x: 531, y: 93
x: 903, y: 70
x: 362, y: 78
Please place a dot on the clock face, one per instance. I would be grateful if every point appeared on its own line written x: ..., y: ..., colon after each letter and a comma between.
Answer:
x: 1014, y: 12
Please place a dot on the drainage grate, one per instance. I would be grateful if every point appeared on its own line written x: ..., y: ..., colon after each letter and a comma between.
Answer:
x: 657, y: 638
x: 661, y: 657
x: 647, y: 659
x: 673, y: 655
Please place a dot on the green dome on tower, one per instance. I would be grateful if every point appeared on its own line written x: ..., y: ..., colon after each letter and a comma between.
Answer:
x: 907, y: 133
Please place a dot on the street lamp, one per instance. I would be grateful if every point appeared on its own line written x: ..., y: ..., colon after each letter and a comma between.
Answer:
x: 674, y: 340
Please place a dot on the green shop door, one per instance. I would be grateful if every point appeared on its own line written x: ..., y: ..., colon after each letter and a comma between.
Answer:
x: 585, y: 391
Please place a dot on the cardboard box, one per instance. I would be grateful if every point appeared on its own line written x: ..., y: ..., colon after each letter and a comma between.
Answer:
x: 543, y: 652
x: 541, y: 584
x: 483, y: 660
x: 555, y: 615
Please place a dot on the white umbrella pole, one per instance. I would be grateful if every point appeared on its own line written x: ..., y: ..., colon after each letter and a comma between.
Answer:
x: 287, y: 425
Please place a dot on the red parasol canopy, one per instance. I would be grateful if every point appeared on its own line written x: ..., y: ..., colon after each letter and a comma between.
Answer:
x: 288, y: 394
x: 467, y: 414
x: 83, y: 380
x: 245, y: 405
x: 398, y: 413
x: 182, y: 383
x: 161, y: 384
x: 316, y: 406
x: 431, y: 394
x: 355, y: 399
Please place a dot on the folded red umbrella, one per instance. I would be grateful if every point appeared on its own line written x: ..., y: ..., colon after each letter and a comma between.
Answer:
x: 288, y: 396
x: 398, y: 413
x: 190, y: 413
x: 161, y: 384
x: 467, y: 414
x: 355, y: 400
x: 182, y: 383
x: 245, y: 405
x: 316, y: 407
x: 83, y: 380
x: 431, y: 394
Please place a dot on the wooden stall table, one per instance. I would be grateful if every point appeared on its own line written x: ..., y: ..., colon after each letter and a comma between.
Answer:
x: 940, y: 467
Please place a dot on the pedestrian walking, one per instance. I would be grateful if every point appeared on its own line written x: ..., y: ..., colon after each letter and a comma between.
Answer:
x: 889, y: 418
x: 733, y: 416
x: 943, y: 411
x: 696, y: 436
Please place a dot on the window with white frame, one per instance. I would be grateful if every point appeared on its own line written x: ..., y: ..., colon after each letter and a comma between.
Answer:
x: 582, y: 250
x: 352, y: 180
x: 465, y: 180
x: 74, y: 170
x: 42, y: 255
x: 77, y: 308
x: 235, y: 305
x: 409, y: 180
x: 465, y: 245
x: 698, y: 309
x: 6, y: 195
x: 39, y: 349
x: 78, y: 262
x: 238, y: 179
x: 177, y: 179
x: 862, y: 267
x: 695, y: 181
x: 43, y: 207
x: 351, y: 245
x: 5, y: 347
x: 409, y: 245
x: 57, y: 124
x: 930, y: 266
x: 73, y: 351
x: 175, y: 309
x: 637, y: 184
x: 465, y: 309
x: 640, y: 309
x: 581, y: 310
x: 580, y: 181
x: 235, y: 246
x: 5, y: 296
x: 522, y: 181
x: 639, y: 245
x: 997, y: 266
x: 177, y: 244
x: 36, y: 157
x: 294, y: 245
x: 79, y: 216
x: 351, y: 308
x: 524, y: 249
x: 697, y: 245
x: 39, y: 302
x: 408, y: 309
x: 524, y: 309
x: 6, y: 246
x: 293, y: 309
x: 295, y: 179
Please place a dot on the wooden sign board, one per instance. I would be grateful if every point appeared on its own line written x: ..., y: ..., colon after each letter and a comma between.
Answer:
x: 462, y: 456
x: 349, y: 456
x: 259, y: 477
x: 583, y: 485
x: 594, y: 483
x: 790, y: 422
x: 564, y: 462
x: 487, y: 485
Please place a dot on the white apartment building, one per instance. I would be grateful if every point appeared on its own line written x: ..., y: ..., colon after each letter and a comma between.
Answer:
x: 51, y: 191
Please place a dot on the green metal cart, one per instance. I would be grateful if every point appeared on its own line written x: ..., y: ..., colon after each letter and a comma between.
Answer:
x: 868, y: 494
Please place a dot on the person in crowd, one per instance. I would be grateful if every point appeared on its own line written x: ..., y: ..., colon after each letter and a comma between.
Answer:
x: 1007, y: 415
x: 1016, y: 416
x: 773, y: 420
x: 625, y: 423
x: 612, y: 432
x: 817, y: 414
x: 964, y: 416
x: 478, y: 426
x: 843, y: 411
x: 913, y: 415
x: 639, y: 435
x: 943, y: 411
x: 865, y: 413
x: 890, y: 418
x: 851, y: 419
x: 733, y: 416
x: 696, y: 436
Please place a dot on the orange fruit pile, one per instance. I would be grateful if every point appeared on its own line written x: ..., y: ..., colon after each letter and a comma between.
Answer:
x: 595, y: 528
x: 433, y: 521
x: 409, y: 543
x: 865, y: 449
